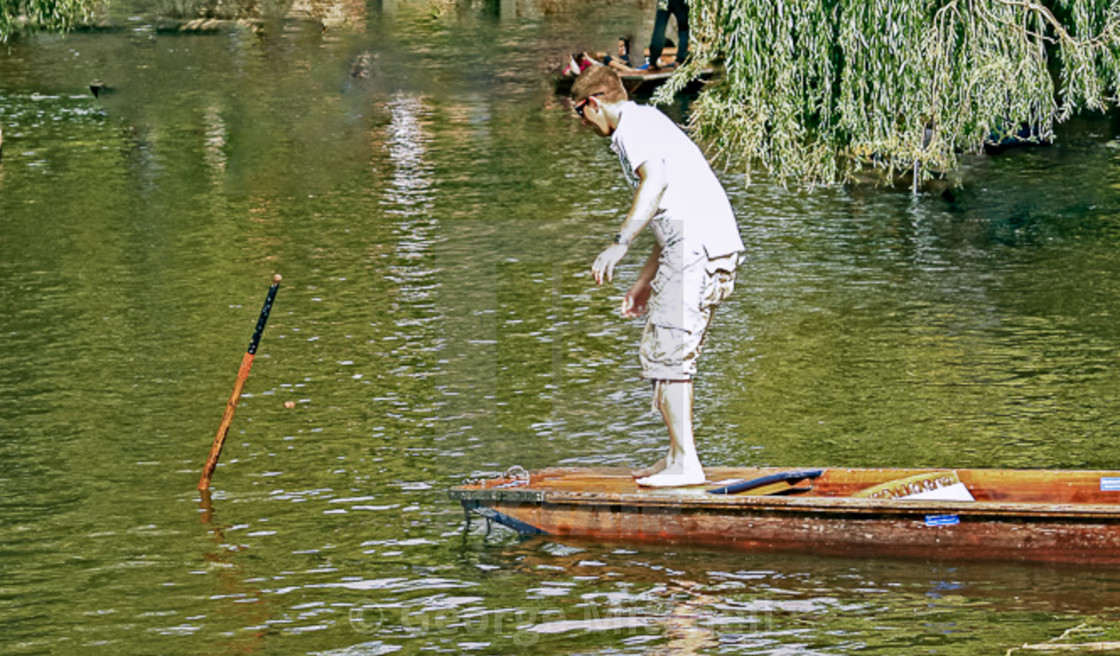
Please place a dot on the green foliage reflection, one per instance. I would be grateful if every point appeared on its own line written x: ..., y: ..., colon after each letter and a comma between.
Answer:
x: 56, y: 15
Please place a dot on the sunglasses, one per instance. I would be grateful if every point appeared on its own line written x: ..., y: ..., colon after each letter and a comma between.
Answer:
x: 583, y: 103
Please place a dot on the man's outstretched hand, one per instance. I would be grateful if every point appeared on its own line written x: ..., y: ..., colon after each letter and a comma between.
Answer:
x: 635, y: 301
x: 603, y: 268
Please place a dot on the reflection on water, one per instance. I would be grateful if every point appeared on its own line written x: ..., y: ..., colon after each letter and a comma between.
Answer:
x: 435, y: 223
x: 411, y: 184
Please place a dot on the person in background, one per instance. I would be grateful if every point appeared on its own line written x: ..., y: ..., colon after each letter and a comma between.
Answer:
x: 666, y: 8
x: 581, y: 61
x: 690, y: 270
x: 622, y: 58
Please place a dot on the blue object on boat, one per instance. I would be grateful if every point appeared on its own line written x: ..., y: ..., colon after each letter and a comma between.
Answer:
x: 942, y: 520
x: 790, y: 477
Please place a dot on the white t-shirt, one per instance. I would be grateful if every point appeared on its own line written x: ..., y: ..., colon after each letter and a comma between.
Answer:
x: 694, y: 215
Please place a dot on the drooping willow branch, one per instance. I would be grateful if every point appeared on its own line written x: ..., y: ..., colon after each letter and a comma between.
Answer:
x: 815, y: 90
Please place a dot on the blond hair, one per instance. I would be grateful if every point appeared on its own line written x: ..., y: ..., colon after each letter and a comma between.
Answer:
x: 599, y: 81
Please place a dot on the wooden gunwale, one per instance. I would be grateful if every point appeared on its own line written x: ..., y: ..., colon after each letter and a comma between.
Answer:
x: 794, y: 505
x: 553, y: 487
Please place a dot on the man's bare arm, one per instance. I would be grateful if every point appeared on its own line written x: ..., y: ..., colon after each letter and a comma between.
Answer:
x: 653, y: 182
x: 647, y: 199
x: 635, y: 301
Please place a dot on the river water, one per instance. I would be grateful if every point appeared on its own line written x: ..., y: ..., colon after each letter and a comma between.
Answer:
x: 435, y: 223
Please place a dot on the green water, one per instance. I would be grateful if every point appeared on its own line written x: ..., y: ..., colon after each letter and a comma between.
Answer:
x: 435, y: 225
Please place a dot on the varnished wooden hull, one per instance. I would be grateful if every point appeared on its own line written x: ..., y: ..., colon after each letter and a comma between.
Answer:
x: 1064, y: 516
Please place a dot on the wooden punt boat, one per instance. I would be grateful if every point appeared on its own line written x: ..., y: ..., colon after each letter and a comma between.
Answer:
x: 973, y: 514
x: 639, y: 83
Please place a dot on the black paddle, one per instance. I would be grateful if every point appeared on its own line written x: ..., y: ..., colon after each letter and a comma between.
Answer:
x: 790, y: 477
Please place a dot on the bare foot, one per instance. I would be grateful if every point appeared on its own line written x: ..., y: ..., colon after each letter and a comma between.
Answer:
x: 673, y: 480
x: 655, y: 468
x: 677, y: 475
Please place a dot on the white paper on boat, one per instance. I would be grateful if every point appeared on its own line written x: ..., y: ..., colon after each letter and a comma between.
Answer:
x: 954, y: 492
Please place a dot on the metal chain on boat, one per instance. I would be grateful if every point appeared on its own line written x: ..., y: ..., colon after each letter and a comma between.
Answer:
x: 515, y: 476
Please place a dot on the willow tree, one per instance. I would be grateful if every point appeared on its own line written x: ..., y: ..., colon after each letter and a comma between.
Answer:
x: 55, y: 15
x: 815, y: 90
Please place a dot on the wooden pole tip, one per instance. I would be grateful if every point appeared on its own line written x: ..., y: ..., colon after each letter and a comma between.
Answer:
x: 276, y: 279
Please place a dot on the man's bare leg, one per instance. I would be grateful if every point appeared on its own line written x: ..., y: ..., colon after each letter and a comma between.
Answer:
x: 655, y: 468
x: 674, y: 399
x: 662, y: 464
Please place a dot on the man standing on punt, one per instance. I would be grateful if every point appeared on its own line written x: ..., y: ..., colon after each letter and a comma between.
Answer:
x: 692, y: 267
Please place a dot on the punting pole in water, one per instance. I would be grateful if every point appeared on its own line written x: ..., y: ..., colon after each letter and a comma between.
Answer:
x: 242, y: 374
